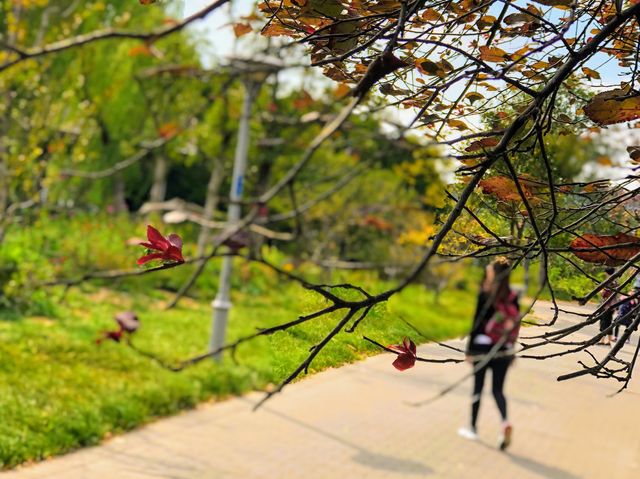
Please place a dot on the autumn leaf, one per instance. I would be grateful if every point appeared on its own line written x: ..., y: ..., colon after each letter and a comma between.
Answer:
x: 389, y: 89
x: 493, y: 54
x: 276, y: 29
x: 516, y: 18
x: 240, y: 29
x: 540, y: 65
x: 445, y: 65
x: 377, y: 223
x: 168, y: 130
x: 474, y: 96
x: 407, y: 354
x: 614, y: 106
x: 341, y: 90
x: 482, y: 144
x: 591, y: 73
x: 505, y: 189
x: 634, y: 151
x: 336, y: 74
x: 141, y: 50
x: 304, y: 101
x: 147, y: 2
x: 427, y: 67
x: 458, y: 124
x: 430, y: 15
x: 610, y: 255
x: 555, y: 3
x: 604, y: 161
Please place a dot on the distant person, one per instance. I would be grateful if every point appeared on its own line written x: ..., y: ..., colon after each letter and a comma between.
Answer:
x: 495, y: 329
x: 609, y: 297
x: 628, y: 310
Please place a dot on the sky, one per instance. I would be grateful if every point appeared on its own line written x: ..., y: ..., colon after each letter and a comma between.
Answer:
x: 216, y: 27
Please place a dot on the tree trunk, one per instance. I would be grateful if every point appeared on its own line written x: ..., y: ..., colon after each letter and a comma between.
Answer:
x: 119, y: 197
x: 525, y: 280
x: 211, y: 203
x: 542, y: 272
x: 4, y: 193
x: 160, y: 173
x: 264, y: 175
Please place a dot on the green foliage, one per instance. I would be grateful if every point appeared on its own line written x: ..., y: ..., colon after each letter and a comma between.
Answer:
x: 61, y: 247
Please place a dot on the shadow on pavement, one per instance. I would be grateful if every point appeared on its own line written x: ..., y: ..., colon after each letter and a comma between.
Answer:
x: 363, y: 456
x: 390, y: 463
x: 544, y: 470
x: 531, y: 465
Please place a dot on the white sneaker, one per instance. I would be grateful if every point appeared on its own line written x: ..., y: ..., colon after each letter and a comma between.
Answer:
x: 505, y: 438
x: 468, y: 433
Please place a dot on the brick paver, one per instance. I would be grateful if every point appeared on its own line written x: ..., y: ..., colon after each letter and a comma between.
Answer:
x: 356, y: 422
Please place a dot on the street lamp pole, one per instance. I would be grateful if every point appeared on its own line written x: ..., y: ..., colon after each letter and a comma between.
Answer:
x: 222, y: 303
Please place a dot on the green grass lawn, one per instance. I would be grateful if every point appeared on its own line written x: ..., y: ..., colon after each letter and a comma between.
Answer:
x: 62, y: 391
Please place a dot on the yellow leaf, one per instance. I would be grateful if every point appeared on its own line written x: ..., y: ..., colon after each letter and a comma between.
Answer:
x: 614, y: 106
x: 275, y: 29
x: 540, y: 64
x: 474, y: 96
x: 493, y: 54
x: 591, y: 73
x: 457, y: 124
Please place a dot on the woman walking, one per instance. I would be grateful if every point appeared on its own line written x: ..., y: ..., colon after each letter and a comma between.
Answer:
x: 495, y: 329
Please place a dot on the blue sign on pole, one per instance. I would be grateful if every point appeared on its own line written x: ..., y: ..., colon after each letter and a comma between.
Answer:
x: 239, y: 186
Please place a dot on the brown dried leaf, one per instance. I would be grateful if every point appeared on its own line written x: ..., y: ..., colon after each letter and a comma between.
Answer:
x: 482, y: 144
x: 614, y: 106
x: 427, y: 67
x: 240, y: 29
x: 634, y: 153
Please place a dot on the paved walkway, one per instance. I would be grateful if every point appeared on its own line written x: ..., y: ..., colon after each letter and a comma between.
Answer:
x: 355, y: 422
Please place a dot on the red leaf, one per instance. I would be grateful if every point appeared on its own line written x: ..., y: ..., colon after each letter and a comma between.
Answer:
x: 156, y: 240
x: 585, y: 246
x: 404, y: 362
x: 112, y: 335
x: 167, y: 249
x: 406, y: 354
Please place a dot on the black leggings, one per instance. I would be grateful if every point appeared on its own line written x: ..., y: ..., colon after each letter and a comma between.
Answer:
x: 499, y: 367
x: 606, y: 320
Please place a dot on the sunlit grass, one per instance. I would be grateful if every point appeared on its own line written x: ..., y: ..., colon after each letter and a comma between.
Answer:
x: 62, y: 391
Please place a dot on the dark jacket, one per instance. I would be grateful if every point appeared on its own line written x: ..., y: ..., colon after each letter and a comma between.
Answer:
x: 483, y: 314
